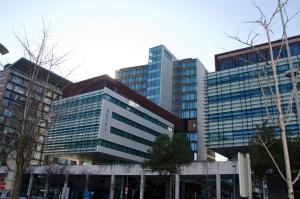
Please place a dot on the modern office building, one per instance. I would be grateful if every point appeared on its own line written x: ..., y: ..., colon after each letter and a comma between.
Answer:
x: 14, y: 81
x: 135, y: 78
x: 235, y: 102
x: 188, y: 101
x: 177, y: 86
x: 154, y: 80
x: 101, y: 120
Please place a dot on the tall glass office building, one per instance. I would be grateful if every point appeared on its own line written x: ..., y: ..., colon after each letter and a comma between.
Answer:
x: 159, y: 76
x: 134, y: 78
x: 176, y: 85
x: 14, y: 88
x: 154, y: 80
x: 186, y: 102
x: 235, y: 103
x: 185, y: 89
x: 101, y: 120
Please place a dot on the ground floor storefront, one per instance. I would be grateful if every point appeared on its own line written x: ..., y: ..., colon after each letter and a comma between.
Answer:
x: 96, y: 186
x: 130, y: 181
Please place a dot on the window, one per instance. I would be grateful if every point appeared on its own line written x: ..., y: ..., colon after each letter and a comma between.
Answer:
x: 188, y: 88
x: 188, y: 105
x: 124, y: 149
x: 189, y: 96
x: 188, y: 114
x: 130, y: 136
x: 16, y: 80
x: 19, y: 89
x: 186, y: 80
x: 193, y: 146
x: 134, y: 124
x: 137, y: 112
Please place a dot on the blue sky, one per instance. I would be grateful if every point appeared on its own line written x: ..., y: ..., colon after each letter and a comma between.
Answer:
x: 108, y: 35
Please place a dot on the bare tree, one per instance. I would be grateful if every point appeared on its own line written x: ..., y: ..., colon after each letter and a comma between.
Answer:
x: 28, y: 116
x: 271, y: 84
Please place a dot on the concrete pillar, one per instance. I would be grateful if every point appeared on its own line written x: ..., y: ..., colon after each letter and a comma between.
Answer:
x: 112, y: 187
x: 142, y: 186
x: 177, y: 186
x: 10, y: 180
x: 122, y: 188
x: 86, y: 186
x: 30, y: 185
x: 218, y: 186
x: 46, y: 186
x: 65, y: 194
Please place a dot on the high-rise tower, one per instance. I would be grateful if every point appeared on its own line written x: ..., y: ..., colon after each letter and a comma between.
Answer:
x: 177, y: 86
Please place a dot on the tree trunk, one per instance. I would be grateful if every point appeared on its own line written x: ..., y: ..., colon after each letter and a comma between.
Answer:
x: 17, y: 184
x: 281, y: 123
x: 294, y: 83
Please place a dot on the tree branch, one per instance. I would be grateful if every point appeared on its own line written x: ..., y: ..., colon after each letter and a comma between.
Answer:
x: 297, y: 178
x: 262, y: 143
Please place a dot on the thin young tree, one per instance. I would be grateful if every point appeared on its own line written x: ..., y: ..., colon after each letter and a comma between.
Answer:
x: 28, y: 120
x: 266, y: 146
x: 271, y: 84
x: 167, y: 156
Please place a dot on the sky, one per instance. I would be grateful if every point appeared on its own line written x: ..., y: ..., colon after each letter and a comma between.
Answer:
x: 103, y: 36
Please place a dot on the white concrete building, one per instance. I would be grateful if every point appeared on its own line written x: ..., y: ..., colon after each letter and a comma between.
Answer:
x: 100, y: 120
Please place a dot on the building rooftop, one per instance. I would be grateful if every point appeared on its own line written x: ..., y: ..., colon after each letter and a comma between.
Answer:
x: 27, y: 67
x: 132, y: 67
x: 98, y: 83
x: 257, y: 49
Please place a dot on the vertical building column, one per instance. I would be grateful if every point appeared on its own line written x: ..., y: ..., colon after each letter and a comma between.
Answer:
x: 218, y: 186
x: 46, y: 186
x: 122, y: 188
x: 142, y: 186
x: 10, y: 180
x: 112, y: 187
x: 86, y: 186
x: 65, y: 194
x: 30, y: 185
x: 177, y: 186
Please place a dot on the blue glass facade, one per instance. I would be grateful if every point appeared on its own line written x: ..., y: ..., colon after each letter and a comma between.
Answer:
x: 154, y: 74
x: 185, y: 89
x: 165, y: 74
x: 185, y: 96
x: 76, y: 124
x: 254, y: 57
x: 236, y: 105
x: 192, y: 138
x: 146, y: 79
x: 134, y: 77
